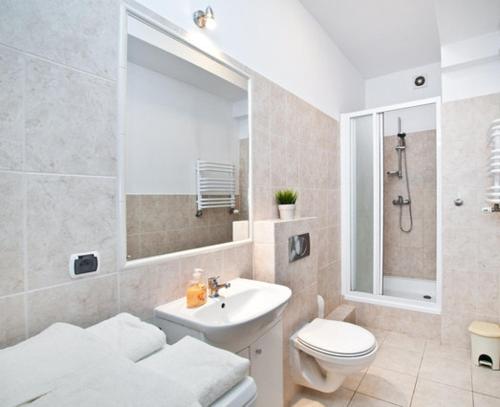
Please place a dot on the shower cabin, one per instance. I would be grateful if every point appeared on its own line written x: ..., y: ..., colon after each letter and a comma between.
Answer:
x: 391, y: 211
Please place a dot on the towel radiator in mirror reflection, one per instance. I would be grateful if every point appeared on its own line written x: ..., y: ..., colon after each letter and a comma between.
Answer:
x: 215, y: 186
x: 493, y: 192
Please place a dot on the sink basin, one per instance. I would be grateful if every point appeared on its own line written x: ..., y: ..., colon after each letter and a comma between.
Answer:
x: 234, y: 320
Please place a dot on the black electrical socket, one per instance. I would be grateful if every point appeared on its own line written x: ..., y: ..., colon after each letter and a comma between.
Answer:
x: 86, y: 263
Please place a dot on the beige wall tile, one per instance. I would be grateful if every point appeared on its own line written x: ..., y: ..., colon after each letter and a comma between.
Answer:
x: 419, y: 245
x: 68, y: 215
x: 72, y: 110
x: 238, y: 262
x: 143, y: 289
x: 13, y: 187
x: 12, y: 321
x: 12, y: 80
x: 47, y: 28
x: 82, y: 303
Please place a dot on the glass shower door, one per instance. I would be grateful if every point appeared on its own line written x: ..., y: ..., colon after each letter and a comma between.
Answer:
x: 364, y: 212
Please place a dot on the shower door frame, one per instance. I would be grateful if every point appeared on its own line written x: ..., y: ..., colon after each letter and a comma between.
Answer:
x: 347, y: 218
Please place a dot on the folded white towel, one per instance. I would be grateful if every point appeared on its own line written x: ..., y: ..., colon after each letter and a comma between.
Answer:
x: 33, y: 367
x: 206, y: 371
x: 118, y: 382
x: 130, y: 336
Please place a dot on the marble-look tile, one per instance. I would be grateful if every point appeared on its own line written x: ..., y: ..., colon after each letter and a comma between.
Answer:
x: 352, y: 382
x: 263, y: 232
x: 238, y: 262
x: 261, y: 102
x: 397, y: 359
x: 446, y: 371
x: 264, y: 263
x: 480, y: 400
x: 81, y: 303
x: 360, y: 400
x: 133, y: 205
x: 65, y: 33
x: 12, y: 233
x: 12, y: 322
x: 263, y: 203
x: 67, y: 215
x: 143, y: 289
x: 388, y: 385
x: 431, y: 394
x: 380, y: 334
x: 12, y: 76
x: 310, y: 398
x: 211, y: 263
x: 406, y: 342
x: 71, y: 110
x: 434, y: 349
x: 262, y: 166
x: 486, y: 381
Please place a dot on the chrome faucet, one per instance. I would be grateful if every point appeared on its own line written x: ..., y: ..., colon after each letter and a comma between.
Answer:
x: 214, y: 286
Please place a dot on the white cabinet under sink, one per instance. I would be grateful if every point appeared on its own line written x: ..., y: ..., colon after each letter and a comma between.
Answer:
x: 265, y: 355
x: 266, y: 366
x: 245, y: 319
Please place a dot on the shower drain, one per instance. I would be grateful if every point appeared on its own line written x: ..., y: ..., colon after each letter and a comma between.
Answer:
x: 427, y: 297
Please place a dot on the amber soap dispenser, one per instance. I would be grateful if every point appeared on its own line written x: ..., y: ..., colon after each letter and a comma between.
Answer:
x: 196, y: 292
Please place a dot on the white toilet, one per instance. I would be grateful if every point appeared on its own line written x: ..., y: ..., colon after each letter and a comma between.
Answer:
x: 324, y: 352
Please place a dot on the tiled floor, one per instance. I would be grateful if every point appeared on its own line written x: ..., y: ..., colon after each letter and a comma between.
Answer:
x: 410, y: 372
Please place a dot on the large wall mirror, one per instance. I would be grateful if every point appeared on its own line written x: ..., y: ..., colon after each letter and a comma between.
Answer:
x: 186, y: 146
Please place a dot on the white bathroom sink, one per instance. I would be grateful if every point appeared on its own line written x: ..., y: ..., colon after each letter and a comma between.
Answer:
x: 235, y: 319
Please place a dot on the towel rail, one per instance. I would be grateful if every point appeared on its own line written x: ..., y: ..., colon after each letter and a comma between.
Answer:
x: 493, y: 192
x: 215, y: 186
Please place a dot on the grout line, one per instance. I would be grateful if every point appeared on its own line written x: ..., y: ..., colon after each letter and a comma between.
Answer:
x: 52, y: 174
x: 59, y: 64
x: 418, y: 372
x: 73, y: 281
x: 25, y: 254
x: 25, y: 210
x: 352, y: 397
x: 377, y: 398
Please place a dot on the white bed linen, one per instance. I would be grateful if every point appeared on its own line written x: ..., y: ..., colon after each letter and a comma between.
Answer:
x: 129, y: 336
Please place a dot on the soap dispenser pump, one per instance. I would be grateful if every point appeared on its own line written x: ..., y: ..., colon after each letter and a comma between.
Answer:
x: 196, y: 293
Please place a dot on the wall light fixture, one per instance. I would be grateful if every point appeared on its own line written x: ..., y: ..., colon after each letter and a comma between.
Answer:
x: 205, y: 18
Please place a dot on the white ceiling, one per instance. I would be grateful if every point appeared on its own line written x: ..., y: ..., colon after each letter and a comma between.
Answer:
x: 381, y: 36
x: 462, y: 19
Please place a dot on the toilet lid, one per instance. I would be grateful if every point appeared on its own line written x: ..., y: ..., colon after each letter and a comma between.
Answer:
x: 337, y: 338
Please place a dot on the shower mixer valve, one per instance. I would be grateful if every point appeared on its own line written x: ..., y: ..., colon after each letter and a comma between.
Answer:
x: 401, y: 201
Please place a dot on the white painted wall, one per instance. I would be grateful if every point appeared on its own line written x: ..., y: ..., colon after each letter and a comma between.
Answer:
x: 398, y: 87
x: 471, y: 67
x: 171, y: 124
x: 280, y: 40
x: 413, y: 119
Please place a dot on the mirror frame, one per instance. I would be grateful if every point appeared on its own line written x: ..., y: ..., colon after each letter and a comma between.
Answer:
x: 170, y: 30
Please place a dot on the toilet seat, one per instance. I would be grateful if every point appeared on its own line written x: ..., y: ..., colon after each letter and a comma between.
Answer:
x: 336, y: 338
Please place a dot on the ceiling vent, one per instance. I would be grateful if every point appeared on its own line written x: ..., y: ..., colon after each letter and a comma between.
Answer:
x: 419, y: 81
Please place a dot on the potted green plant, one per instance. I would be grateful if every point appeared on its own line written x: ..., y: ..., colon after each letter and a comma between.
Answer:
x: 286, y: 198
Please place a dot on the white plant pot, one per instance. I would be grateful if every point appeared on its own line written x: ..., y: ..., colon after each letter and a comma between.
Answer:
x: 287, y: 212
